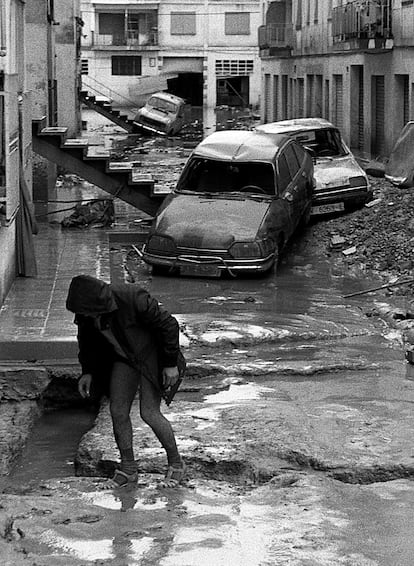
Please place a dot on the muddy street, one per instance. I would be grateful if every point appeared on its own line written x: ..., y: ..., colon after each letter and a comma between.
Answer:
x: 295, y: 422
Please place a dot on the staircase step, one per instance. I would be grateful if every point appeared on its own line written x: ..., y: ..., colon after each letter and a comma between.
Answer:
x: 138, y: 177
x: 103, y: 100
x: 75, y: 143
x: 123, y: 165
x: 53, y: 131
x: 98, y: 153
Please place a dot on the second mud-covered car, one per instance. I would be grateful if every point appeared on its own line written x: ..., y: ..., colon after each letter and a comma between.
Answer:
x: 239, y: 199
x: 340, y: 183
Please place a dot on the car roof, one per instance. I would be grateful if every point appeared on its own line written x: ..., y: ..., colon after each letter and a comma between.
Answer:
x: 296, y: 125
x: 240, y: 145
x: 167, y: 96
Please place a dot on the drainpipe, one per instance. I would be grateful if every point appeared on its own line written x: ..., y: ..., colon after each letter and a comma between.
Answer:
x: 3, y: 50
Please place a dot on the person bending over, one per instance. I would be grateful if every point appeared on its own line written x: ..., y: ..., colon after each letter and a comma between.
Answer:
x: 128, y: 342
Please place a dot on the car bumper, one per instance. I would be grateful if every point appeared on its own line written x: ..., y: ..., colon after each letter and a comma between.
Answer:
x: 153, y: 129
x: 213, y: 266
x: 337, y: 200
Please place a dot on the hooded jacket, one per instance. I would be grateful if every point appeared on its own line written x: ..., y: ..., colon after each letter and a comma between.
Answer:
x: 147, y: 333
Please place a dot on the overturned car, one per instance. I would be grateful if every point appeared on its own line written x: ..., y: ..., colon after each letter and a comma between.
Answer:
x: 162, y: 114
x: 239, y: 199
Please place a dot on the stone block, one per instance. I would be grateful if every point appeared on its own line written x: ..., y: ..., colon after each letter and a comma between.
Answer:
x: 22, y: 383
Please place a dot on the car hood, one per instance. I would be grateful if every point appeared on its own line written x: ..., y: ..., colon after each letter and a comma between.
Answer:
x: 199, y: 221
x: 336, y: 171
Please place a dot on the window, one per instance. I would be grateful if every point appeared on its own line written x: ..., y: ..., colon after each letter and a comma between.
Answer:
x: 126, y: 65
x: 234, y: 67
x: 84, y: 66
x: 300, y: 154
x: 299, y: 15
x: 284, y: 174
x: 237, y: 23
x: 183, y: 23
x: 292, y: 161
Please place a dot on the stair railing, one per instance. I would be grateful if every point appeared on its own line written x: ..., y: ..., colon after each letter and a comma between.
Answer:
x: 87, y: 85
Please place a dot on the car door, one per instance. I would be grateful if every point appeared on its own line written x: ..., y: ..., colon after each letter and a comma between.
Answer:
x: 291, y: 184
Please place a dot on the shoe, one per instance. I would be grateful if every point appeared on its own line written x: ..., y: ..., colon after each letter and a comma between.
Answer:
x: 174, y: 476
x: 121, y: 479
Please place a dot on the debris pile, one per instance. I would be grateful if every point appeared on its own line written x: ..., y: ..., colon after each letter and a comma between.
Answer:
x: 99, y: 212
x: 379, y: 237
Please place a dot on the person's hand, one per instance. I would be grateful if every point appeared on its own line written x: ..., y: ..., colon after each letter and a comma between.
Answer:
x: 170, y: 376
x: 84, y: 385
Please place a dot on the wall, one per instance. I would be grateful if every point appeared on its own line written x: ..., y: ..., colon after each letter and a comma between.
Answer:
x: 7, y: 259
x: 67, y: 64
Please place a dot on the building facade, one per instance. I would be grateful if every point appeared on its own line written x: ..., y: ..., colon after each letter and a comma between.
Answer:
x: 15, y: 136
x: 53, y: 31
x: 39, y: 77
x: 351, y: 62
x: 202, y: 50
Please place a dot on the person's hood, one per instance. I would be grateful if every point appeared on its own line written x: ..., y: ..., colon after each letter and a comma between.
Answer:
x: 88, y: 295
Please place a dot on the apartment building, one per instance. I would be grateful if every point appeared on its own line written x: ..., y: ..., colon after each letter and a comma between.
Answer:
x: 39, y: 77
x: 351, y: 62
x: 203, y: 50
x: 15, y: 138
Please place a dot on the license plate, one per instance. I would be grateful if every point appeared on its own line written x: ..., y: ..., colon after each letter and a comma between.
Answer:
x: 200, y: 271
x: 326, y: 208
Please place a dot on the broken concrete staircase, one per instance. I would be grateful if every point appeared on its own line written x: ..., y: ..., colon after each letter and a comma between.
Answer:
x: 92, y: 163
x: 103, y: 106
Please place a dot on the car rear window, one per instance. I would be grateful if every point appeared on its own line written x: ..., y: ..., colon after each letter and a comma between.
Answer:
x: 210, y: 176
x: 161, y: 104
x: 323, y: 143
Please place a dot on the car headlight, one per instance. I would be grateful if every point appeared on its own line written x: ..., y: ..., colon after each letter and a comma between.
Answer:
x: 259, y: 248
x: 359, y: 181
x: 245, y: 250
x: 161, y: 245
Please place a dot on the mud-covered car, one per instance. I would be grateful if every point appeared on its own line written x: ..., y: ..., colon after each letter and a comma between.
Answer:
x: 162, y: 114
x: 238, y: 200
x: 340, y: 182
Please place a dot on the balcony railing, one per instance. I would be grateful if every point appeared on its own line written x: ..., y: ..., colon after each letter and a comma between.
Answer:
x: 128, y: 39
x: 276, y: 36
x: 369, y: 19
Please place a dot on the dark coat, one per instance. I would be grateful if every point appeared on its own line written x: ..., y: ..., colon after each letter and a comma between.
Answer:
x: 148, y: 334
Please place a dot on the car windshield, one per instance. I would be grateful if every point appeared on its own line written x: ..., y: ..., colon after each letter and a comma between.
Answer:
x: 210, y: 176
x: 161, y: 104
x: 322, y: 143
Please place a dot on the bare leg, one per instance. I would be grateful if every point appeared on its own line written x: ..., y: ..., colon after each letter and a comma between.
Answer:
x: 123, y: 388
x: 150, y: 403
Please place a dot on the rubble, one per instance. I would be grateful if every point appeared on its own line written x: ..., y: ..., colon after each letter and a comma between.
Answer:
x: 383, y: 235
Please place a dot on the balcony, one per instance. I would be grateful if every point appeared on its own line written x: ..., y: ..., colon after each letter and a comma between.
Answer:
x: 275, y: 39
x: 363, y: 24
x: 126, y: 40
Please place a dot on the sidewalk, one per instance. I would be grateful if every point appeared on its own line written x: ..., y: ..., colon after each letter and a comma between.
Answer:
x: 33, y: 316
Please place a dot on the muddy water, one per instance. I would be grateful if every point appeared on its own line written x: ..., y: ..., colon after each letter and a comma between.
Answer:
x: 52, y: 446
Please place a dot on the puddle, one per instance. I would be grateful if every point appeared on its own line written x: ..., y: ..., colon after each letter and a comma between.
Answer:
x: 52, y: 446
x: 126, y: 501
x: 236, y: 393
x: 102, y: 549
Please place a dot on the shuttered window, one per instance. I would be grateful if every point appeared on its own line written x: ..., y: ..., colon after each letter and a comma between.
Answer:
x: 183, y: 23
x: 237, y: 23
